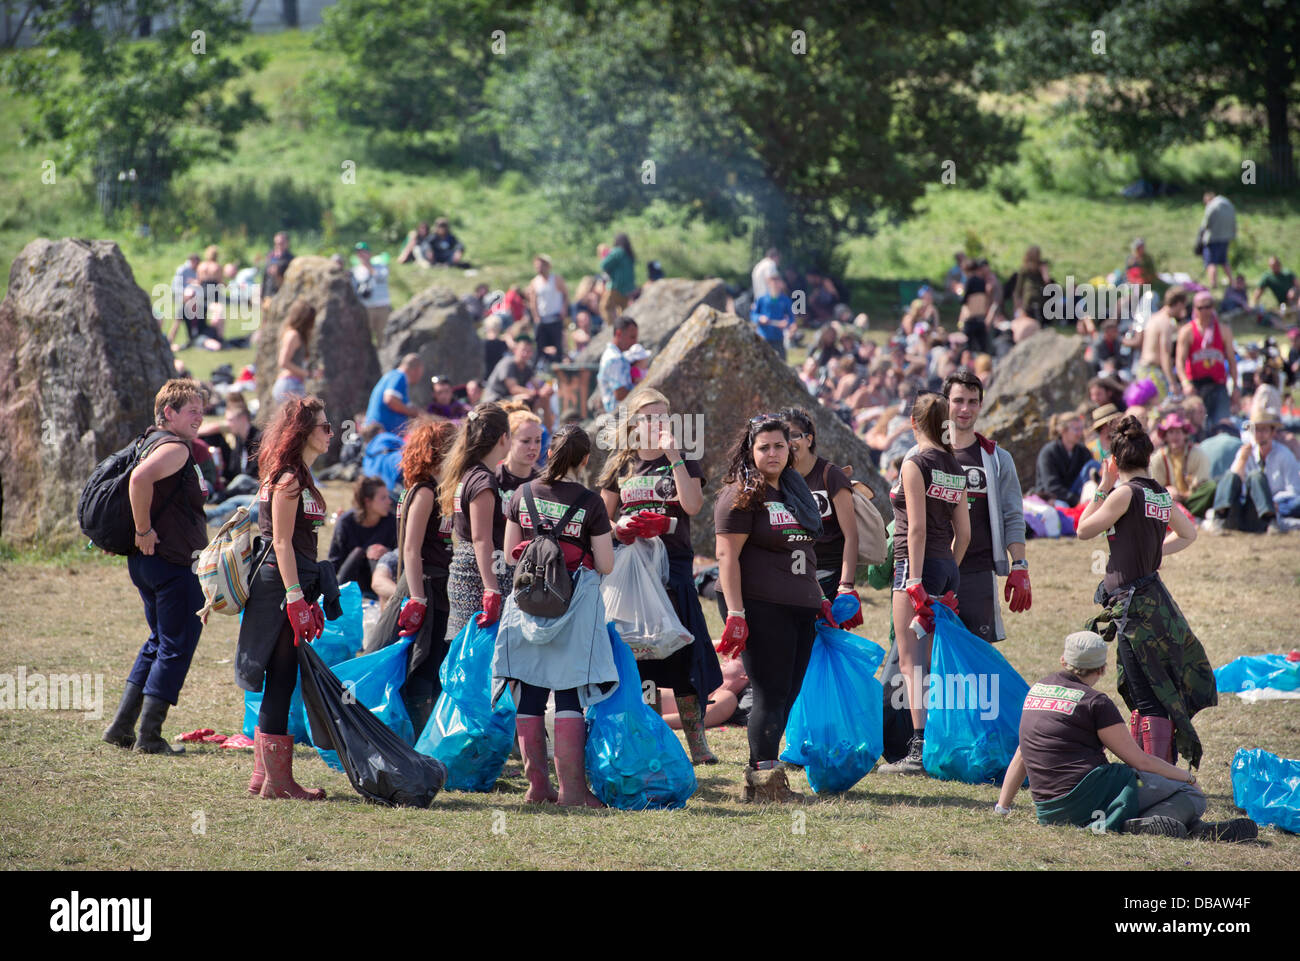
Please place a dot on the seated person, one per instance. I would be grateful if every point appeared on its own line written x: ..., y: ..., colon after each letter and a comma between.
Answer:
x: 1236, y: 297
x: 444, y: 403
x: 1061, y: 461
x: 363, y: 534
x: 1182, y: 468
x: 1066, y: 727
x: 513, y: 375
x: 1280, y: 283
x: 383, y: 579
x: 382, y: 457
x: 581, y: 330
x: 390, y: 399
x: 1262, y: 487
x: 443, y: 246
x: 417, y: 247
x: 1140, y: 267
x: 729, y: 704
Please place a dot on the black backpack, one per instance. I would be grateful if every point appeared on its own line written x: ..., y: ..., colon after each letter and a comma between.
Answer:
x: 543, y: 585
x: 104, y: 509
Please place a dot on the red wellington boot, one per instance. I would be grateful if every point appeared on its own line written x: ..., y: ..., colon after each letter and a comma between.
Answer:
x: 277, y: 760
x: 1158, y: 738
x: 571, y: 763
x: 259, y: 766
x: 532, y: 748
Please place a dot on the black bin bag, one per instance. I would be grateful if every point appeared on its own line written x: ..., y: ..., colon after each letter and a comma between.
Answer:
x: 381, y: 766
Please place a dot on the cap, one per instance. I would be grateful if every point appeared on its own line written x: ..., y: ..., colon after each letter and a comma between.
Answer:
x: 361, y: 245
x: 1085, y: 650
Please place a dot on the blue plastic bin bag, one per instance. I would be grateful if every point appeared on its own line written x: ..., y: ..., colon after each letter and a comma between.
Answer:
x: 836, y: 726
x: 1267, y: 788
x: 466, y: 732
x: 376, y: 680
x: 974, y: 698
x: 342, y: 637
x: 1259, y: 671
x: 634, y: 760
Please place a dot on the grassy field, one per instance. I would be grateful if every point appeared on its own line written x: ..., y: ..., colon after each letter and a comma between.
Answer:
x: 72, y: 801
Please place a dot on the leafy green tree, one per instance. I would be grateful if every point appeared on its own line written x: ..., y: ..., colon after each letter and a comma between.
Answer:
x: 1161, y: 72
x: 140, y: 112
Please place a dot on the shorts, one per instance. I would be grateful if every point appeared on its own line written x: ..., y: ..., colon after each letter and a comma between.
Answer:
x: 550, y: 333
x: 1215, y: 253
x: 938, y: 575
x: 286, y: 387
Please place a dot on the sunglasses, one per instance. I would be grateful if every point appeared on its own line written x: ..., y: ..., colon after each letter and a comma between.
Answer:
x: 328, y: 428
x: 1204, y: 306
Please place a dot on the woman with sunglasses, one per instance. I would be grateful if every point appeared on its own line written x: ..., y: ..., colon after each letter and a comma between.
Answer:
x: 282, y: 611
x: 767, y: 524
x: 653, y: 491
x: 837, y: 548
x: 931, y: 534
x: 1206, y: 360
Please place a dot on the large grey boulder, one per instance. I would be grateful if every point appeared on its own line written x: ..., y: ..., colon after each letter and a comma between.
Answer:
x: 82, y: 360
x: 340, y: 343
x: 435, y: 325
x: 660, y: 312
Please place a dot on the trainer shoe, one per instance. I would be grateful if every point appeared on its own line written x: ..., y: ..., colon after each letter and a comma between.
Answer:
x: 1160, y: 826
x: 1229, y: 832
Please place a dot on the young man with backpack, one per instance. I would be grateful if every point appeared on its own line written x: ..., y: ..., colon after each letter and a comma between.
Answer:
x: 166, y: 497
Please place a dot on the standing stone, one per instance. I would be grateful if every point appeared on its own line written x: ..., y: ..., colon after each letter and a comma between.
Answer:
x: 435, y: 325
x: 719, y: 372
x: 340, y: 343
x: 1041, y: 376
x: 83, y: 357
x: 660, y: 312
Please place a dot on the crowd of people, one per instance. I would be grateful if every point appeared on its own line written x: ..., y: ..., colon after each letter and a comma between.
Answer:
x: 1178, y: 429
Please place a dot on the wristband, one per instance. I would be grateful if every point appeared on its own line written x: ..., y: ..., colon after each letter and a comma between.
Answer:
x: 1020, y: 565
x: 1099, y: 495
x: 145, y: 534
x: 739, y: 614
x: 846, y: 584
x: 490, y: 590
x: 911, y: 582
x: 420, y: 600
x: 291, y: 596
x: 677, y: 463
x: 293, y: 587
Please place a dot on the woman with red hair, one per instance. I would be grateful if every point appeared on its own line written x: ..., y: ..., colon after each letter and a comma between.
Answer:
x: 282, y: 611
x: 423, y: 559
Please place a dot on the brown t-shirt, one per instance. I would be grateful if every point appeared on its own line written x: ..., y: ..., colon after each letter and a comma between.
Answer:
x: 944, y: 483
x: 508, y: 483
x: 435, y: 549
x: 176, y: 505
x: 306, y: 521
x: 473, y: 482
x: 1137, y: 541
x: 552, y: 501
x: 825, y: 482
x: 979, y: 555
x: 778, y: 563
x: 649, y: 486
x: 1058, y: 733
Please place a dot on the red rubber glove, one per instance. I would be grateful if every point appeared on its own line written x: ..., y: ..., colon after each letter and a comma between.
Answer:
x: 317, y: 621
x: 734, y: 636
x: 412, y: 618
x: 825, y: 614
x: 650, y: 524
x: 850, y: 623
x: 1017, y: 591
x: 491, y: 609
x: 925, y: 620
x: 624, y: 531
x: 920, y: 598
x: 949, y: 600
x: 300, y: 619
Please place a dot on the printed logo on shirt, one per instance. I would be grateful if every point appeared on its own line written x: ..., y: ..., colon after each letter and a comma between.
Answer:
x: 647, y: 489
x: 823, y: 502
x: 946, y: 487
x: 203, y: 484
x: 313, y: 508
x: 780, y: 519
x: 1156, y: 505
x: 976, y: 483
x: 553, y: 511
x: 1052, y: 697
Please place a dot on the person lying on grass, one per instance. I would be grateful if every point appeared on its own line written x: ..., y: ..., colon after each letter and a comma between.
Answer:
x: 1064, y: 728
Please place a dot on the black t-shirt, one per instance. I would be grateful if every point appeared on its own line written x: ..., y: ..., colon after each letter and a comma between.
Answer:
x: 349, y: 535
x: 778, y: 563
x: 552, y: 501
x: 979, y: 555
x: 506, y: 369
x: 176, y: 504
x: 974, y: 285
x: 493, y: 351
x: 435, y: 548
x: 944, y: 482
x: 473, y: 482
x: 1137, y: 541
x: 650, y: 486
x: 1058, y: 733
x: 307, y: 520
x: 508, y: 483
x: 825, y: 482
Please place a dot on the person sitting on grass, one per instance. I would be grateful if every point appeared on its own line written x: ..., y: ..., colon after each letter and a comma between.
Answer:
x: 1066, y: 726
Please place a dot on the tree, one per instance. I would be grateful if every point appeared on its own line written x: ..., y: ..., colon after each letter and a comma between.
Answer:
x: 141, y: 113
x: 1162, y: 72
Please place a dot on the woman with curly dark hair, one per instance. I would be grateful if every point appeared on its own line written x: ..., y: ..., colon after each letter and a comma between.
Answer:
x: 1163, y: 673
x: 469, y: 493
x: 767, y: 523
x: 282, y: 611
x: 424, y: 560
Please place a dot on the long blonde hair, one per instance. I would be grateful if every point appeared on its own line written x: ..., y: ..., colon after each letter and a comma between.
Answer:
x: 617, y: 435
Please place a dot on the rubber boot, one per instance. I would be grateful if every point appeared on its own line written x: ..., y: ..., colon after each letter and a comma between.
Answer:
x: 151, y: 740
x: 277, y: 756
x: 531, y: 733
x: 122, y: 731
x: 1158, y: 738
x: 259, y: 765
x: 688, y: 709
x: 1229, y: 832
x: 769, y: 786
x: 1160, y: 826
x: 571, y: 763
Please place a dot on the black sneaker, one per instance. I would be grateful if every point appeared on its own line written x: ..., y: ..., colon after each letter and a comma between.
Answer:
x: 1229, y: 832
x: 1160, y: 826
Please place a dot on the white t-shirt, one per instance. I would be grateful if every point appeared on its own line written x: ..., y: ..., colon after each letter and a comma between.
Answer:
x: 377, y: 274
x: 549, y: 299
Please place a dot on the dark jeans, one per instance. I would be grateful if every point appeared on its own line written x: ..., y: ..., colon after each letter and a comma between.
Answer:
x: 1252, y: 514
x: 171, y: 596
x: 977, y: 335
x: 1218, y: 406
x: 775, y: 658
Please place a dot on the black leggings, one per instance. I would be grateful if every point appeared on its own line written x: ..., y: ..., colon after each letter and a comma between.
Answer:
x: 281, y: 678
x: 532, y: 700
x: 775, y: 658
x: 1139, y: 688
x: 356, y: 567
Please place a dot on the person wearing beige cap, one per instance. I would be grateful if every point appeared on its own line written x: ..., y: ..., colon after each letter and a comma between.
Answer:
x: 1261, y: 490
x: 1066, y: 727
